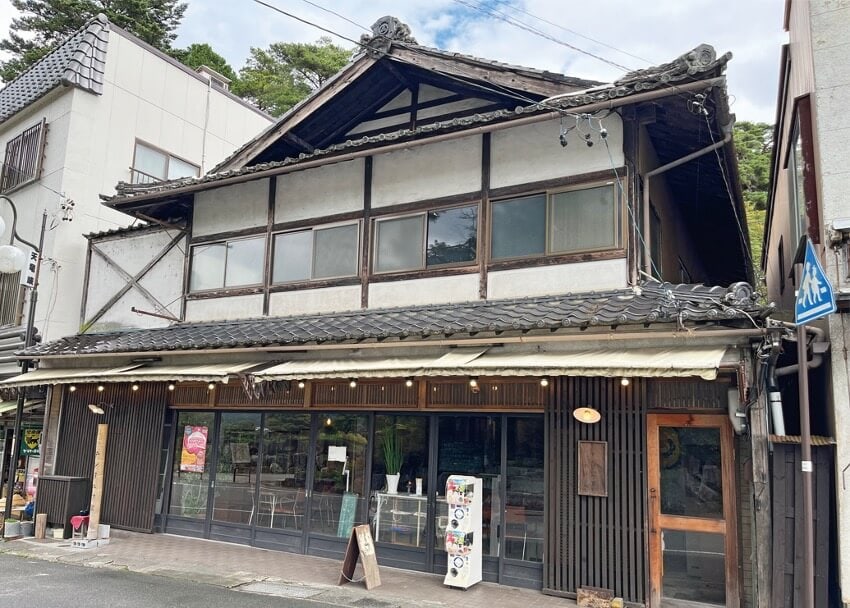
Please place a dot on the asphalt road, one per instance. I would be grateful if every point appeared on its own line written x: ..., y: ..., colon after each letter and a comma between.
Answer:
x: 27, y: 583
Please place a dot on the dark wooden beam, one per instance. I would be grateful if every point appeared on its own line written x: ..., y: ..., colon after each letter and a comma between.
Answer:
x: 292, y: 138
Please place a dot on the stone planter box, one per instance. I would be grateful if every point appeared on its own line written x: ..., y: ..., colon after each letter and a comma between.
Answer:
x: 12, y: 529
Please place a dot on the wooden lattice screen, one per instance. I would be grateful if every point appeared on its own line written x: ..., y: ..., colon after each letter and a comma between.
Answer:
x: 596, y: 541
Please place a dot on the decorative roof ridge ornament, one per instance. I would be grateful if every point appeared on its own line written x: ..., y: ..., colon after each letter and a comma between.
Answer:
x: 701, y: 59
x: 385, y: 31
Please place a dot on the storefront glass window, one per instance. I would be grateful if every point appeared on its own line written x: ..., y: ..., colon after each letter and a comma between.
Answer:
x: 690, y: 472
x: 523, y: 530
x: 401, y: 518
x: 191, y: 472
x: 283, y: 474
x: 471, y: 445
x: 236, y: 468
x: 338, y: 499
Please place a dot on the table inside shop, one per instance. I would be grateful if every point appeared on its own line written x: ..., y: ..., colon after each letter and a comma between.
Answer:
x: 418, y: 511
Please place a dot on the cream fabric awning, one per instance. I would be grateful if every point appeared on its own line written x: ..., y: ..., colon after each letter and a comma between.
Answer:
x: 216, y: 372
x: 702, y: 361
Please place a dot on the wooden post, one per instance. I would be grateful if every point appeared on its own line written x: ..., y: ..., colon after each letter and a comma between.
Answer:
x: 762, y: 534
x: 97, y: 481
x: 40, y: 525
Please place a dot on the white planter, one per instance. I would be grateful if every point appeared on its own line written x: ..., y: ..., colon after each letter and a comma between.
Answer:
x: 392, y: 483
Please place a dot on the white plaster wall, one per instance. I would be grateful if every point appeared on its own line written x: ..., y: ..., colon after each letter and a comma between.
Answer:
x: 164, y: 281
x: 434, y: 290
x: 563, y: 278
x: 326, y: 190
x: 448, y: 108
x: 314, y: 301
x: 830, y: 23
x: 244, y: 205
x: 225, y: 309
x: 427, y: 171
x: 533, y: 152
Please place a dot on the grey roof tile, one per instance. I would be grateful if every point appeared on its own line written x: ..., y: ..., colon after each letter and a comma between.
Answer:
x: 652, y: 302
x: 78, y: 61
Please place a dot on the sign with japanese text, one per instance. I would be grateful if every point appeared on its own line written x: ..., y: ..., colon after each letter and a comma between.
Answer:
x: 30, y: 441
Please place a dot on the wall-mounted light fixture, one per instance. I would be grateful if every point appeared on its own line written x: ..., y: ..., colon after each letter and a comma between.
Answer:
x: 134, y: 386
x: 99, y: 408
x: 100, y: 388
x: 171, y: 387
x: 625, y: 381
x: 211, y: 386
x: 301, y: 384
x: 72, y: 388
x: 587, y: 415
x: 408, y: 382
x: 352, y: 383
x: 544, y: 382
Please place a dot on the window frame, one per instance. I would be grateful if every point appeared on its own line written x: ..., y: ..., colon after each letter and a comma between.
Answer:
x: 224, y: 287
x: 38, y: 143
x: 424, y: 268
x: 550, y: 193
x: 168, y: 158
x: 313, y: 229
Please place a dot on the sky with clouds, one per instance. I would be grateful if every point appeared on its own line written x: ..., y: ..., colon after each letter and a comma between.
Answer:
x: 629, y: 33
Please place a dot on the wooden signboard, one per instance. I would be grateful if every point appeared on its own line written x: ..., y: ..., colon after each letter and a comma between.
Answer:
x: 593, y: 468
x: 360, y: 545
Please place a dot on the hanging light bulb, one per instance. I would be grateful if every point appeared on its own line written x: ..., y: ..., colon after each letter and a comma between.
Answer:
x: 625, y: 381
x: 210, y: 386
x: 134, y: 387
x: 301, y: 384
x: 352, y: 383
x: 72, y: 388
x: 544, y: 382
x: 171, y: 387
x: 100, y: 388
x: 409, y: 382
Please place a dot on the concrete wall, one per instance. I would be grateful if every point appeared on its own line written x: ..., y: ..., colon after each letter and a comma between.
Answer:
x: 90, y: 146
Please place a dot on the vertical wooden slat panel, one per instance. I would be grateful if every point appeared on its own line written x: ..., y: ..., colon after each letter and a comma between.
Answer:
x: 597, y: 541
x: 135, y: 421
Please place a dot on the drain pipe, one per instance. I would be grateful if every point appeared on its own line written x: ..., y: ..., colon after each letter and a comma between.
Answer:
x: 647, y: 259
x: 819, y: 346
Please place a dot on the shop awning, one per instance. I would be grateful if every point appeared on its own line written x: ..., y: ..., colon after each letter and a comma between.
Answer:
x: 701, y: 361
x: 214, y: 372
x: 374, y: 367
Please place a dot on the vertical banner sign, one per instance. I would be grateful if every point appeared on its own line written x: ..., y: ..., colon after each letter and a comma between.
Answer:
x: 193, y: 457
x: 30, y: 441
x: 28, y: 272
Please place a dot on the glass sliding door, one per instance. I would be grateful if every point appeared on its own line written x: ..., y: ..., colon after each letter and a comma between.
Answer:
x: 190, y: 470
x: 283, y: 471
x: 471, y: 445
x: 337, y: 499
x: 523, y: 528
x: 692, y: 511
x: 236, y: 468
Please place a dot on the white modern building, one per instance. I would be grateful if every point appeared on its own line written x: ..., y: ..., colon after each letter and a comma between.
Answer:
x: 103, y: 107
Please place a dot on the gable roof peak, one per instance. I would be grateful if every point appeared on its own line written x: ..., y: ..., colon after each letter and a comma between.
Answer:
x: 385, y: 31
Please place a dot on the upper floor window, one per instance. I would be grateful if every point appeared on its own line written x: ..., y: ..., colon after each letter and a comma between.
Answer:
x: 796, y: 192
x: 578, y: 220
x: 22, y: 162
x: 318, y: 253
x: 425, y: 240
x: 152, y: 165
x: 234, y: 263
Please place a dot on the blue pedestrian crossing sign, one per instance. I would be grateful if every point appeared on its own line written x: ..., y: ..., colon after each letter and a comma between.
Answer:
x: 815, y: 297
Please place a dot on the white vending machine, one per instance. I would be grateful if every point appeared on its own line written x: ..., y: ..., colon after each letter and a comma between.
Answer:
x: 463, y: 531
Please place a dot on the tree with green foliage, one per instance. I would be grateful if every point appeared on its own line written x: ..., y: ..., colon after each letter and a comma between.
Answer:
x: 277, y: 78
x: 43, y: 24
x: 196, y: 55
x: 754, y: 146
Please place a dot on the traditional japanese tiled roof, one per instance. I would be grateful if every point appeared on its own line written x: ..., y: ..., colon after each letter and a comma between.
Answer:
x: 649, y: 304
x: 699, y: 63
x: 79, y: 62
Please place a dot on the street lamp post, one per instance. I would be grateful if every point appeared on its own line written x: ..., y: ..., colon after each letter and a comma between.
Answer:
x: 12, y: 260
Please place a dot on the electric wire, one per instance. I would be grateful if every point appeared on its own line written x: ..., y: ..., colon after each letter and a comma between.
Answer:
x: 508, y: 4
x: 333, y: 12
x: 531, y: 29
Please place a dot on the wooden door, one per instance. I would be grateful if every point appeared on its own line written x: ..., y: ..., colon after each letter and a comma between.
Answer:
x: 693, y: 556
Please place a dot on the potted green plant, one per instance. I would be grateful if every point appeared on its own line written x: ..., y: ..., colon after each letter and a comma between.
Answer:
x: 391, y: 446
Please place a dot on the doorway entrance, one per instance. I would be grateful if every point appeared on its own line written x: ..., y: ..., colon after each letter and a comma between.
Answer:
x: 692, y: 511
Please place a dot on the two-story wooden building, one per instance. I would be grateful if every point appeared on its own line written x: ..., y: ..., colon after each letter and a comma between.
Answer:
x: 509, y: 272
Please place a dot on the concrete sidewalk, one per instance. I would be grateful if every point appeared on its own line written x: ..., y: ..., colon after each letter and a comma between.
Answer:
x: 274, y: 572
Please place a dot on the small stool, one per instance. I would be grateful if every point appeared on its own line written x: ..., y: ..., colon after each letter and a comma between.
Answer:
x: 80, y: 523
